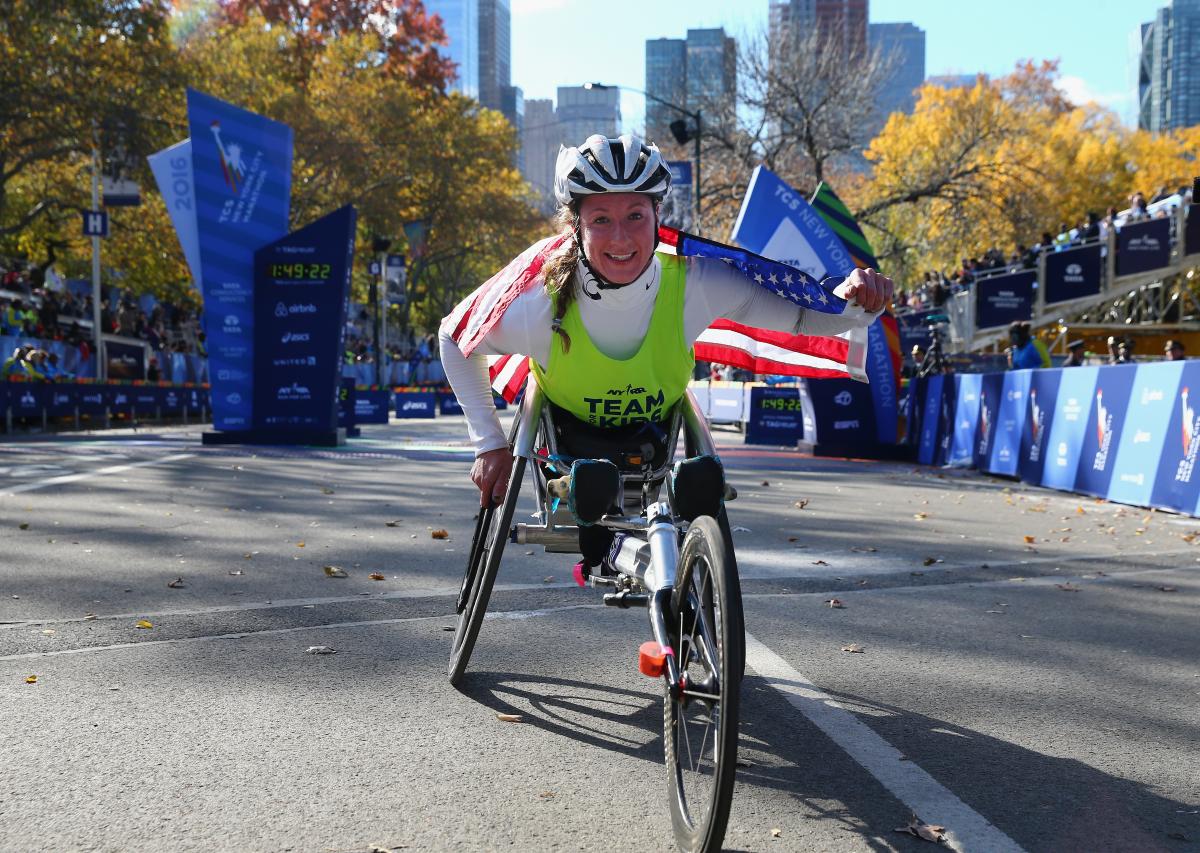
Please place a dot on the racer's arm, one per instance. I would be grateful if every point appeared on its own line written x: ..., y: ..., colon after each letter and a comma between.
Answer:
x: 716, y: 290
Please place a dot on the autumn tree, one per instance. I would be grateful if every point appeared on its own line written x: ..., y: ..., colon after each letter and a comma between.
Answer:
x: 404, y: 37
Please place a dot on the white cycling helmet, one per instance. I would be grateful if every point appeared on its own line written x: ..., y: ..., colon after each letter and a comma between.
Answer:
x: 601, y: 165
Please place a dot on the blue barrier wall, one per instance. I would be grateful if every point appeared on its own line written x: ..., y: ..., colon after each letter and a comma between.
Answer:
x: 1125, y: 433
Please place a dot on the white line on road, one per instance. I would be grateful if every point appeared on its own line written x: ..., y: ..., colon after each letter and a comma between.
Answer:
x: 966, y: 829
x: 99, y: 472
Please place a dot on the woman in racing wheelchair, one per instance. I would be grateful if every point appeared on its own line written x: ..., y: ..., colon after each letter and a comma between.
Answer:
x: 608, y: 326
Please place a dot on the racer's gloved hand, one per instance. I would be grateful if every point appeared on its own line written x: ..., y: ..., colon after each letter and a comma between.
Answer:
x: 490, y: 473
x: 868, y: 288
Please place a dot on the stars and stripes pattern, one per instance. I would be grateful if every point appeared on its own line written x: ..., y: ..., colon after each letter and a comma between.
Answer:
x: 724, y: 342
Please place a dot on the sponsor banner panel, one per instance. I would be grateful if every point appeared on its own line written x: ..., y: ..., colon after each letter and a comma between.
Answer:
x: 1143, y: 246
x: 1176, y: 482
x: 371, y: 406
x: 1073, y: 273
x: 301, y: 294
x: 991, y: 391
x: 415, y: 404
x: 1039, y: 420
x: 1102, y: 435
x: 1143, y: 437
x: 1001, y: 299
x: 927, y: 447
x: 448, y: 405
x: 776, y: 416
x: 837, y: 411
x: 241, y: 172
x: 966, y: 419
x: 1068, y: 421
x: 1010, y: 421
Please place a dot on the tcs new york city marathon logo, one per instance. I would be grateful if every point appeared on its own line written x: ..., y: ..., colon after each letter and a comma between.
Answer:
x: 233, y: 167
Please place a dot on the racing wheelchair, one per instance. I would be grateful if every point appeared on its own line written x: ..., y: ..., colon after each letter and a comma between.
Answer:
x: 658, y: 536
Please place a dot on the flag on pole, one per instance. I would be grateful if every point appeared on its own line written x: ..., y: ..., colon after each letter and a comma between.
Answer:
x: 725, y: 342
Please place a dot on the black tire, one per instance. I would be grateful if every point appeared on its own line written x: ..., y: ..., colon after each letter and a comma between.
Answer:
x: 487, y: 547
x: 734, y: 590
x: 700, y: 726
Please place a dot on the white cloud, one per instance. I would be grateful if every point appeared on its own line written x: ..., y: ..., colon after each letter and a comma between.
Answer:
x: 1078, y: 91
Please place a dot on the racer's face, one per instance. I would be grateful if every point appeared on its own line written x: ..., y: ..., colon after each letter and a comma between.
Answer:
x: 618, y: 234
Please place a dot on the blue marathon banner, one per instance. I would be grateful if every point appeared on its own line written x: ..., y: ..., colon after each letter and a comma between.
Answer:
x: 242, y: 176
x: 448, y: 404
x: 1191, y: 233
x: 1073, y: 273
x: 777, y: 222
x: 301, y: 294
x: 1101, y: 436
x: 991, y: 392
x: 776, y: 416
x: 931, y: 419
x: 416, y: 404
x: 1176, y: 482
x: 838, y: 412
x: 172, y: 169
x: 1001, y: 299
x: 1039, y: 420
x: 1005, y: 452
x: 1144, y: 436
x: 967, y: 387
x: 371, y: 405
x: 1064, y: 441
x: 1143, y: 246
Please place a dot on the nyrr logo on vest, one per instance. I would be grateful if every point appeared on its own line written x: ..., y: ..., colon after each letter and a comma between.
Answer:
x: 614, y: 412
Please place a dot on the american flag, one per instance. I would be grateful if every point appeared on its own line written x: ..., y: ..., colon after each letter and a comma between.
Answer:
x: 724, y: 342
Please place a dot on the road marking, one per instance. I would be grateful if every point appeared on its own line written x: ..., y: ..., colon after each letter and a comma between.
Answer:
x: 238, y: 635
x: 99, y: 472
x: 966, y: 829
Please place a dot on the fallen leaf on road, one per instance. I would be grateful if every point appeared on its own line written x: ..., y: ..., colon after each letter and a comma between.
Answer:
x: 766, y: 483
x: 1166, y: 589
x: 31, y: 679
x: 854, y: 648
x: 1029, y: 540
x: 994, y: 611
x: 176, y: 584
x: 801, y: 504
x: 24, y: 525
x: 375, y: 576
x: 917, y: 574
x: 236, y: 572
x: 1080, y: 511
x: 327, y: 491
x: 440, y: 534
x: 1067, y: 587
x: 320, y: 650
x: 392, y: 523
x: 549, y: 579
x: 144, y: 624
x: 509, y: 718
x: 929, y: 561
x: 793, y: 538
x: 820, y: 563
x: 835, y: 603
x: 921, y: 516
x: 547, y: 795
x: 1188, y: 537
x: 88, y: 617
x: 335, y: 572
x: 299, y: 544
x: 775, y: 833
x: 923, y: 830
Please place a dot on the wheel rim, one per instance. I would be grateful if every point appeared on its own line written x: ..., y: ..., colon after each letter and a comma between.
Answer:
x: 696, y: 724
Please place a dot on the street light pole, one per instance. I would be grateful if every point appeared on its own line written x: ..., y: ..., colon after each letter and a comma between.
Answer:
x: 694, y: 116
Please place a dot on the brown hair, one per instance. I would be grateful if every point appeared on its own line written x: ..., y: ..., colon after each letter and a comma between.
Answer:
x: 559, y: 271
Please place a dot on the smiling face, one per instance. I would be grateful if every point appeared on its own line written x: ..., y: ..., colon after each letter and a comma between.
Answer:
x: 618, y: 234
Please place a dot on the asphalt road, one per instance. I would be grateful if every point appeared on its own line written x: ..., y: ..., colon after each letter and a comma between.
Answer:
x: 1030, y: 674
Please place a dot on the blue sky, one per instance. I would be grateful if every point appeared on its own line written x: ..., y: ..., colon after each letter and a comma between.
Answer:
x: 570, y: 42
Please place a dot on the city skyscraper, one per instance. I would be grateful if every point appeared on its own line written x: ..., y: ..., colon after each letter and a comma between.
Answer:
x: 460, y: 20
x: 581, y: 112
x: 495, y: 52
x: 843, y: 22
x: 691, y: 73
x: 902, y: 44
x: 540, y: 139
x: 1166, y: 67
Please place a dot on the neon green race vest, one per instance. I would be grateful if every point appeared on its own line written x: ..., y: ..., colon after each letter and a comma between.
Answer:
x: 609, y: 392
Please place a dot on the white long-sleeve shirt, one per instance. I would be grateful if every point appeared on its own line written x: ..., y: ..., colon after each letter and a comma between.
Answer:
x: 617, y: 322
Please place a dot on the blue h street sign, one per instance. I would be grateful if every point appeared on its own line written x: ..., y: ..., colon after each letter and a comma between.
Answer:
x: 95, y: 223
x: 373, y: 268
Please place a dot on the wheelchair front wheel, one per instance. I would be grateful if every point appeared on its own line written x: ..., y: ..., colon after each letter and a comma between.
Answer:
x: 487, y: 547
x: 700, y: 724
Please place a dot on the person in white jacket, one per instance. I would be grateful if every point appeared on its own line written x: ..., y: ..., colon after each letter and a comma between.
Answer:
x: 611, y: 327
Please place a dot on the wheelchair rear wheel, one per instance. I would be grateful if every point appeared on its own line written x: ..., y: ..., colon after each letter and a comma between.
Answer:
x: 487, y: 547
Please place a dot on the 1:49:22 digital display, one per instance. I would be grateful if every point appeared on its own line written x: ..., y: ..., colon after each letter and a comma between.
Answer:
x: 310, y: 272
x: 781, y: 404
